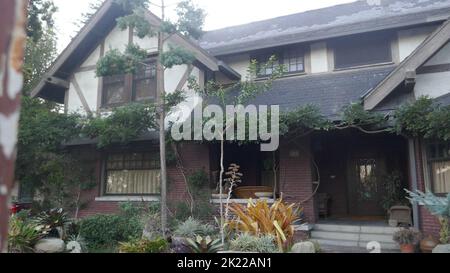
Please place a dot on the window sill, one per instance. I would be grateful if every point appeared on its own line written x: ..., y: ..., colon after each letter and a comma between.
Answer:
x: 362, y: 66
x: 127, y: 199
x: 239, y: 201
x: 285, y: 75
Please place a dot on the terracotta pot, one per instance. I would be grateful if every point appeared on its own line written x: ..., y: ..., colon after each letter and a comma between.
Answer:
x: 428, y: 244
x: 407, y: 248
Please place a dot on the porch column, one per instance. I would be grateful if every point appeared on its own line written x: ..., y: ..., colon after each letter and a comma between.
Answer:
x: 413, y: 176
x: 295, y: 176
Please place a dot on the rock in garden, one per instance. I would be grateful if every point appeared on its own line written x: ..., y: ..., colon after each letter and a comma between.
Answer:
x: 303, y: 247
x: 50, y: 245
x: 442, y: 249
x: 74, y: 247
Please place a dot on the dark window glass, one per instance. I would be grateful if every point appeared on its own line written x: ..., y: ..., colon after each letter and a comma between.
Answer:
x: 294, y: 61
x: 144, y: 82
x: 264, y: 69
x: 291, y: 59
x: 362, y: 50
x: 114, y: 90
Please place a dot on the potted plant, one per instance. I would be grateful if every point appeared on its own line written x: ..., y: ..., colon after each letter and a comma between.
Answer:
x: 407, y: 239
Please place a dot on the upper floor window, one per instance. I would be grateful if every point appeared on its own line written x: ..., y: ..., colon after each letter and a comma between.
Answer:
x: 362, y: 50
x: 439, y: 166
x: 144, y: 82
x: 121, y: 89
x: 114, y: 90
x: 292, y: 59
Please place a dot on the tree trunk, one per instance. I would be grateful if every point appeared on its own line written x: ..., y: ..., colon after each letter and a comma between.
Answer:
x: 162, y: 131
x: 12, y: 41
x: 222, y: 170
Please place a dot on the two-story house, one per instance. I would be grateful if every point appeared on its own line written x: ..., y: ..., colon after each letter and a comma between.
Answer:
x: 381, y: 53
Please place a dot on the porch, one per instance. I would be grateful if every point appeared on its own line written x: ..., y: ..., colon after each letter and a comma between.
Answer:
x: 355, y: 173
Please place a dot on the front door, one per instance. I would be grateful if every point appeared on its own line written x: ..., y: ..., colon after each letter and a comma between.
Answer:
x: 364, y: 185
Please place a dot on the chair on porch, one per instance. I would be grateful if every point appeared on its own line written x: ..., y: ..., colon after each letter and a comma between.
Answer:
x: 324, y: 201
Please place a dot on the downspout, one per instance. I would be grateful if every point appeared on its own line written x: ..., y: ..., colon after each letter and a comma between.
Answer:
x: 414, y: 183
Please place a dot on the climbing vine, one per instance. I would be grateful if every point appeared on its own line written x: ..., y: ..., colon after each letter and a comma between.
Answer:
x: 424, y: 118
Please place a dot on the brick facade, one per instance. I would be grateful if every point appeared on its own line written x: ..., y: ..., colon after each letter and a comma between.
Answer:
x: 194, y: 156
x: 429, y: 224
x: 295, y: 176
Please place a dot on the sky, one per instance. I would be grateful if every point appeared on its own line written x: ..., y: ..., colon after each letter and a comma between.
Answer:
x: 220, y: 13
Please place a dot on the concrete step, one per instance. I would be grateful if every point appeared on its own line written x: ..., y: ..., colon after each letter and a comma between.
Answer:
x: 354, y: 236
x: 355, y: 228
x: 336, y: 228
x: 324, y: 243
x: 343, y: 243
x: 330, y: 235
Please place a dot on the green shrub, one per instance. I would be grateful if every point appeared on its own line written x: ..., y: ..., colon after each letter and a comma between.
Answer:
x: 248, y: 243
x: 144, y: 246
x: 182, y: 211
x: 192, y: 228
x: 101, y: 231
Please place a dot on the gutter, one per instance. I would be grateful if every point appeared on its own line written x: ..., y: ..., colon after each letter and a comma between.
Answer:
x: 413, y: 173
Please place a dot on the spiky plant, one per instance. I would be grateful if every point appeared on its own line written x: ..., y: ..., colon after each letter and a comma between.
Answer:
x: 204, y: 245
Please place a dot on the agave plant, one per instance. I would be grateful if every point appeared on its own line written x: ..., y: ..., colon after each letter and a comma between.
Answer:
x: 55, y: 220
x: 204, y: 244
x: 23, y: 235
x: 258, y: 218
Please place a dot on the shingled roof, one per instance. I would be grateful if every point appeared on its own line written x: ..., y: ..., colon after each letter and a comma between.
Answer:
x: 340, y: 20
x: 330, y: 92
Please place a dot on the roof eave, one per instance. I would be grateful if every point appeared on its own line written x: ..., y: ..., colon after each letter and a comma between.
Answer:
x: 418, y: 57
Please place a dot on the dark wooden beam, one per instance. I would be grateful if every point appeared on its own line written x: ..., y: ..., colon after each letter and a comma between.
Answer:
x: 58, y: 82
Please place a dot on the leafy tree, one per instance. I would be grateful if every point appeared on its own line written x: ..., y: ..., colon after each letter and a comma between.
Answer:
x: 114, y: 62
x: 40, y: 16
x: 239, y: 93
x: 86, y: 16
x: 39, y: 55
x: 42, y: 165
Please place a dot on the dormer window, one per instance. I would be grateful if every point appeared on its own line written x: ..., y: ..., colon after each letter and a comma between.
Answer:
x: 292, y: 59
x: 362, y: 50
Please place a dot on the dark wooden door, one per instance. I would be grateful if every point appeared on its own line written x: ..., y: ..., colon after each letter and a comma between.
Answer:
x: 365, y: 171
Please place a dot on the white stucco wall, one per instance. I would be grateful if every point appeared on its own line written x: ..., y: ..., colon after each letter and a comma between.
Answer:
x: 239, y: 63
x: 118, y: 39
x: 442, y: 57
x: 92, y: 59
x: 435, y: 84
x: 410, y: 39
x: 74, y: 102
x: 319, y: 58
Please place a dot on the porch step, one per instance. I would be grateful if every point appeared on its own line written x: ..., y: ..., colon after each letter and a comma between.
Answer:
x: 355, y: 236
